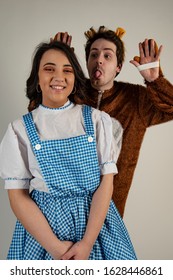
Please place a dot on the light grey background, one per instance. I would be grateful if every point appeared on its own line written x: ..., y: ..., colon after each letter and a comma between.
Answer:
x: 24, y: 24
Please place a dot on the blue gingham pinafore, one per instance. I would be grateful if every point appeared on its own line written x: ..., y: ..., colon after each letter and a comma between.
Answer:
x: 71, y: 171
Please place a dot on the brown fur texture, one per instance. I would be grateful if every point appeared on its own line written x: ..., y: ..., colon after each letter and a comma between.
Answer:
x: 136, y: 107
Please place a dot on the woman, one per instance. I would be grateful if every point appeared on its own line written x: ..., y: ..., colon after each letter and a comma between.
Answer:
x: 54, y: 159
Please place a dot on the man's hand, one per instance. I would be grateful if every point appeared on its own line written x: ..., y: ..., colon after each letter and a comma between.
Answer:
x: 149, y: 53
x: 63, y: 37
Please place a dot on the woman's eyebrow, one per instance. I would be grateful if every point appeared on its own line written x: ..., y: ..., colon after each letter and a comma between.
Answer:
x: 51, y: 63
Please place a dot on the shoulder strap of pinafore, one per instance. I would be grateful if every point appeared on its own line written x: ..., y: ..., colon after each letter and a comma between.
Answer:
x: 31, y: 129
x: 87, y: 115
x: 33, y: 134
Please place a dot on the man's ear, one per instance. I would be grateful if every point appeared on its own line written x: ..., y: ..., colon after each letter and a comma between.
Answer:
x: 118, y: 70
x: 119, y: 67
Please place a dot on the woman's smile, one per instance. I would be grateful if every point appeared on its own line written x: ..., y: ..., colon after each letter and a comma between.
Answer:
x: 56, y: 78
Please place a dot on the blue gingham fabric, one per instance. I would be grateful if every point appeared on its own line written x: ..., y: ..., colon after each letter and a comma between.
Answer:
x: 71, y: 171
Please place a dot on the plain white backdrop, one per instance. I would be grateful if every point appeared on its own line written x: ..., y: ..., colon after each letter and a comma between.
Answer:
x: 23, y: 25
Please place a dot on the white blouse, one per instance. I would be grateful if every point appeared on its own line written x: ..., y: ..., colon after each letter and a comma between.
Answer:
x: 18, y: 165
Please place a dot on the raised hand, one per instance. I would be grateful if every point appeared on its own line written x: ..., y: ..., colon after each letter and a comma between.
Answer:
x: 148, y: 60
x: 62, y: 37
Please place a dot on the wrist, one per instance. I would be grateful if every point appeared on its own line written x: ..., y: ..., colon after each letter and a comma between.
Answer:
x: 147, y: 82
x: 88, y: 241
x: 54, y: 246
x: 151, y: 80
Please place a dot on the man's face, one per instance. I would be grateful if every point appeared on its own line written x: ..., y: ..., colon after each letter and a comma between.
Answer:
x: 102, y: 64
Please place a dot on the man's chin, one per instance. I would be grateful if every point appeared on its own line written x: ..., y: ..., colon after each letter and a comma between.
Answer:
x: 96, y: 83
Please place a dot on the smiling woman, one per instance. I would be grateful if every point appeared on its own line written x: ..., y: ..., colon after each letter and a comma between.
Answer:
x: 66, y: 157
x: 56, y: 78
x: 54, y: 65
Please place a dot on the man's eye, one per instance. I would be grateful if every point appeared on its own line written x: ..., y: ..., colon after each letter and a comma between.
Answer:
x: 93, y: 55
x: 107, y: 56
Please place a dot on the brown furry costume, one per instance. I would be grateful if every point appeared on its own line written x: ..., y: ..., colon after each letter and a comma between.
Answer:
x: 136, y: 107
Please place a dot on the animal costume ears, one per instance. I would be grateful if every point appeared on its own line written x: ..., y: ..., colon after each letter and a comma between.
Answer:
x: 120, y: 32
x: 91, y: 32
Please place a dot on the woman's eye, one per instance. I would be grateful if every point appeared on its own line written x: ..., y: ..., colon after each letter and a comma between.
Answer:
x: 68, y: 70
x: 48, y: 69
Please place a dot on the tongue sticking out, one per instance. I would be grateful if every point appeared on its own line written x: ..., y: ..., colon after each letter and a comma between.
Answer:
x: 97, y: 74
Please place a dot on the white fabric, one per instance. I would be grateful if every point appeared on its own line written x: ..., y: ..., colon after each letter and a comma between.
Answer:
x: 18, y: 165
x: 148, y: 65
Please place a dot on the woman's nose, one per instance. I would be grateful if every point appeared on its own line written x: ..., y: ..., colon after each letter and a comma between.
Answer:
x: 58, y: 78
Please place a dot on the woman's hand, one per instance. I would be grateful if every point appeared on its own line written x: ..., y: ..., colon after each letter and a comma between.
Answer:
x: 59, y: 251
x: 79, y: 251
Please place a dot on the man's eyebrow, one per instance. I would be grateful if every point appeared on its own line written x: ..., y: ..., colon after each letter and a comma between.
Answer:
x: 105, y: 49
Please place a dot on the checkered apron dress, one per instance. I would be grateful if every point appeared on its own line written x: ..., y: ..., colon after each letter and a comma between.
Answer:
x: 71, y: 171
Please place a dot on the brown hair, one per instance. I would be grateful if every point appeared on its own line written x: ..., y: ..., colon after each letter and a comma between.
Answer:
x: 34, y: 93
x: 103, y: 33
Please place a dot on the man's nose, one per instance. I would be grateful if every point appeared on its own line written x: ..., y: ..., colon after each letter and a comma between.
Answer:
x: 99, y: 60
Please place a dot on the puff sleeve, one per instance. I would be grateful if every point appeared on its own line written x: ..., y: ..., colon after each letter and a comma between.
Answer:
x: 109, y: 140
x: 13, y: 161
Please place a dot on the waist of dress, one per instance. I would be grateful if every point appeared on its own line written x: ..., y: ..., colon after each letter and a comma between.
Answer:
x: 61, y: 195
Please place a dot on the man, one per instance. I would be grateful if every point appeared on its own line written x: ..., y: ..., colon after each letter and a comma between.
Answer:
x: 136, y: 107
